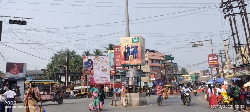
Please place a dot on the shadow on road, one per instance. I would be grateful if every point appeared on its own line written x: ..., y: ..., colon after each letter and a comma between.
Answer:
x: 56, y: 104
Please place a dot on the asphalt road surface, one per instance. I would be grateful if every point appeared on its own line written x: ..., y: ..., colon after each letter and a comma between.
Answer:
x: 172, y: 104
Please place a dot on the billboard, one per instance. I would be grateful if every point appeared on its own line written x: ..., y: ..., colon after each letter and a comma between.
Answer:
x: 99, y: 69
x: 132, y: 50
x: 117, y: 56
x: 16, y: 70
x: 213, y: 60
x: 156, y: 71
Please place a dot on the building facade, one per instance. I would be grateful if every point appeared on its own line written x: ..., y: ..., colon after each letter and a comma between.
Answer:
x: 154, y: 65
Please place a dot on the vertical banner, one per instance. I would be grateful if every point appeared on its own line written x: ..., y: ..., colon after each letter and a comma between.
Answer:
x: 15, y: 70
x: 213, y: 60
x: 132, y: 50
x: 117, y: 56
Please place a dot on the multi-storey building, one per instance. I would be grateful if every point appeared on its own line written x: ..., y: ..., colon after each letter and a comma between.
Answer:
x: 154, y: 63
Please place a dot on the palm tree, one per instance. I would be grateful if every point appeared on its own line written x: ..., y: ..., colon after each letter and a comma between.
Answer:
x: 110, y: 47
x: 97, y: 52
x: 87, y: 53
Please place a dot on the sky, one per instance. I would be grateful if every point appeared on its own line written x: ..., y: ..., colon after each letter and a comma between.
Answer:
x: 80, y: 25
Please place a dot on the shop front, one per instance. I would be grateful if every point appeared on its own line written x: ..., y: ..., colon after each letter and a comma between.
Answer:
x: 15, y: 76
x: 242, y: 75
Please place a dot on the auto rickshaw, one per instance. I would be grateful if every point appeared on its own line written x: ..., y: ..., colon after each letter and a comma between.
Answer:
x: 47, y: 94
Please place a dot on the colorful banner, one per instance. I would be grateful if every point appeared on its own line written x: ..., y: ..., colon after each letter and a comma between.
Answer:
x: 132, y: 50
x: 117, y: 56
x: 15, y: 70
x: 213, y: 60
x: 99, y: 67
x: 156, y: 71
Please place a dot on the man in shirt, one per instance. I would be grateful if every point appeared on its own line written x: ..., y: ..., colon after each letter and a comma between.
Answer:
x: 10, y: 94
x: 219, y: 90
x: 107, y: 91
x: 184, y: 90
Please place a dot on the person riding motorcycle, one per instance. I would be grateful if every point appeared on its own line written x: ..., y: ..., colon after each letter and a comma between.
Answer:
x: 184, y: 90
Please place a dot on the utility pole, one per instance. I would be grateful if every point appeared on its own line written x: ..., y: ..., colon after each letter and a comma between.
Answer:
x: 222, y: 63
x: 226, y: 52
x: 228, y: 11
x: 127, y: 19
x: 67, y: 70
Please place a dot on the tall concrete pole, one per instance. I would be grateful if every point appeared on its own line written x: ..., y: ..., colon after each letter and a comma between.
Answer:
x: 127, y: 19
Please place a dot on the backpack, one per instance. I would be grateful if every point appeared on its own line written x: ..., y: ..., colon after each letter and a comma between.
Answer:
x: 237, y: 91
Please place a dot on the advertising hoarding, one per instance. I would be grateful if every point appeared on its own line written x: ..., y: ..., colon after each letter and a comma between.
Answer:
x: 99, y: 69
x: 132, y: 50
x: 16, y: 70
x: 213, y: 60
x: 117, y: 56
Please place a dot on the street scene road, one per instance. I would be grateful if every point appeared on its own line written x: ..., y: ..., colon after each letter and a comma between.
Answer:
x: 172, y: 104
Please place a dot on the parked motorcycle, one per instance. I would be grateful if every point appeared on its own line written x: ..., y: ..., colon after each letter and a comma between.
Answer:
x: 195, y: 92
x: 186, y: 98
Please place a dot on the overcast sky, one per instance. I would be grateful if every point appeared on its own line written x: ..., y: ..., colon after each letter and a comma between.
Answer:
x: 92, y: 24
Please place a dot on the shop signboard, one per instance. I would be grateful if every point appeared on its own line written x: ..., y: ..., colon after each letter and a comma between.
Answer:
x: 213, y: 60
x: 117, y: 56
x: 132, y: 50
x: 16, y: 70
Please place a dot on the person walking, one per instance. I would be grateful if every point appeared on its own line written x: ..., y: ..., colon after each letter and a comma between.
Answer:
x: 236, y: 96
x: 159, y: 94
x: 10, y: 94
x: 123, y: 96
x: 210, y: 93
x: 31, y: 98
x: 2, y: 101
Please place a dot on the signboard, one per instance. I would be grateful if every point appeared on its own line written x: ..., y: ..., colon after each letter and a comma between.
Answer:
x: 156, y: 71
x: 99, y: 67
x: 16, y: 70
x: 132, y: 50
x: 213, y: 60
x: 117, y: 56
x: 152, y: 76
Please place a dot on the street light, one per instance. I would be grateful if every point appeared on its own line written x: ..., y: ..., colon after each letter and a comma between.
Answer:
x: 211, y: 43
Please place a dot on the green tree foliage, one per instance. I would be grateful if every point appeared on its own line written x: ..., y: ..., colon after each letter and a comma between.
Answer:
x: 58, y: 61
x: 184, y: 71
x: 110, y: 47
x: 87, y: 53
x: 97, y: 52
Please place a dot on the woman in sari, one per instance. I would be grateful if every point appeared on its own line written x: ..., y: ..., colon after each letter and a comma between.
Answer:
x: 165, y: 92
x: 210, y: 93
x: 31, y: 98
x: 95, y: 103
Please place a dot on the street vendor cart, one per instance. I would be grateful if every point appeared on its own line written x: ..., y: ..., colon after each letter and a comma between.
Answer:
x: 49, y: 90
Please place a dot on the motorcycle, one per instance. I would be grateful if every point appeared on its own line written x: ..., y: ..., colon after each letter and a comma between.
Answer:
x: 195, y: 92
x: 186, y: 98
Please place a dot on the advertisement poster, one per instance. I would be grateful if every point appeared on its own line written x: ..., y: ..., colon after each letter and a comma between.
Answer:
x: 213, y: 60
x: 132, y: 50
x: 15, y: 70
x: 99, y: 67
x: 117, y: 56
x: 156, y: 72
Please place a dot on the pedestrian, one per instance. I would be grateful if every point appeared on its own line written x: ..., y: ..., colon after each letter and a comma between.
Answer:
x: 10, y: 94
x: 243, y: 98
x: 123, y: 96
x: 213, y: 101
x: 210, y: 93
x: 31, y: 98
x: 236, y: 96
x: 107, y: 91
x: 2, y: 103
x: 102, y: 96
x: 159, y: 94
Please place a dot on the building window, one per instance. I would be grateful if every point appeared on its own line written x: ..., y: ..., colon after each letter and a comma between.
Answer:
x: 159, y: 61
x: 146, y: 62
x: 152, y: 61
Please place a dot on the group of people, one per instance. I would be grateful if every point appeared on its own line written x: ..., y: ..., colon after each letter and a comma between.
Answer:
x: 130, y: 52
x: 240, y: 95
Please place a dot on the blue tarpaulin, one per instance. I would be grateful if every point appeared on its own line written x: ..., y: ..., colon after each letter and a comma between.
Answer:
x: 219, y: 80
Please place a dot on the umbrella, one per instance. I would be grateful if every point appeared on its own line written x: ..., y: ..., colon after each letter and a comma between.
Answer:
x: 220, y: 80
x: 210, y: 80
x: 247, y: 84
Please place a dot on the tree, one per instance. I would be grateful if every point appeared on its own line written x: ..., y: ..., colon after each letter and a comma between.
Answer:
x: 59, y: 60
x: 110, y: 47
x: 87, y: 53
x: 97, y: 52
x: 184, y: 71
